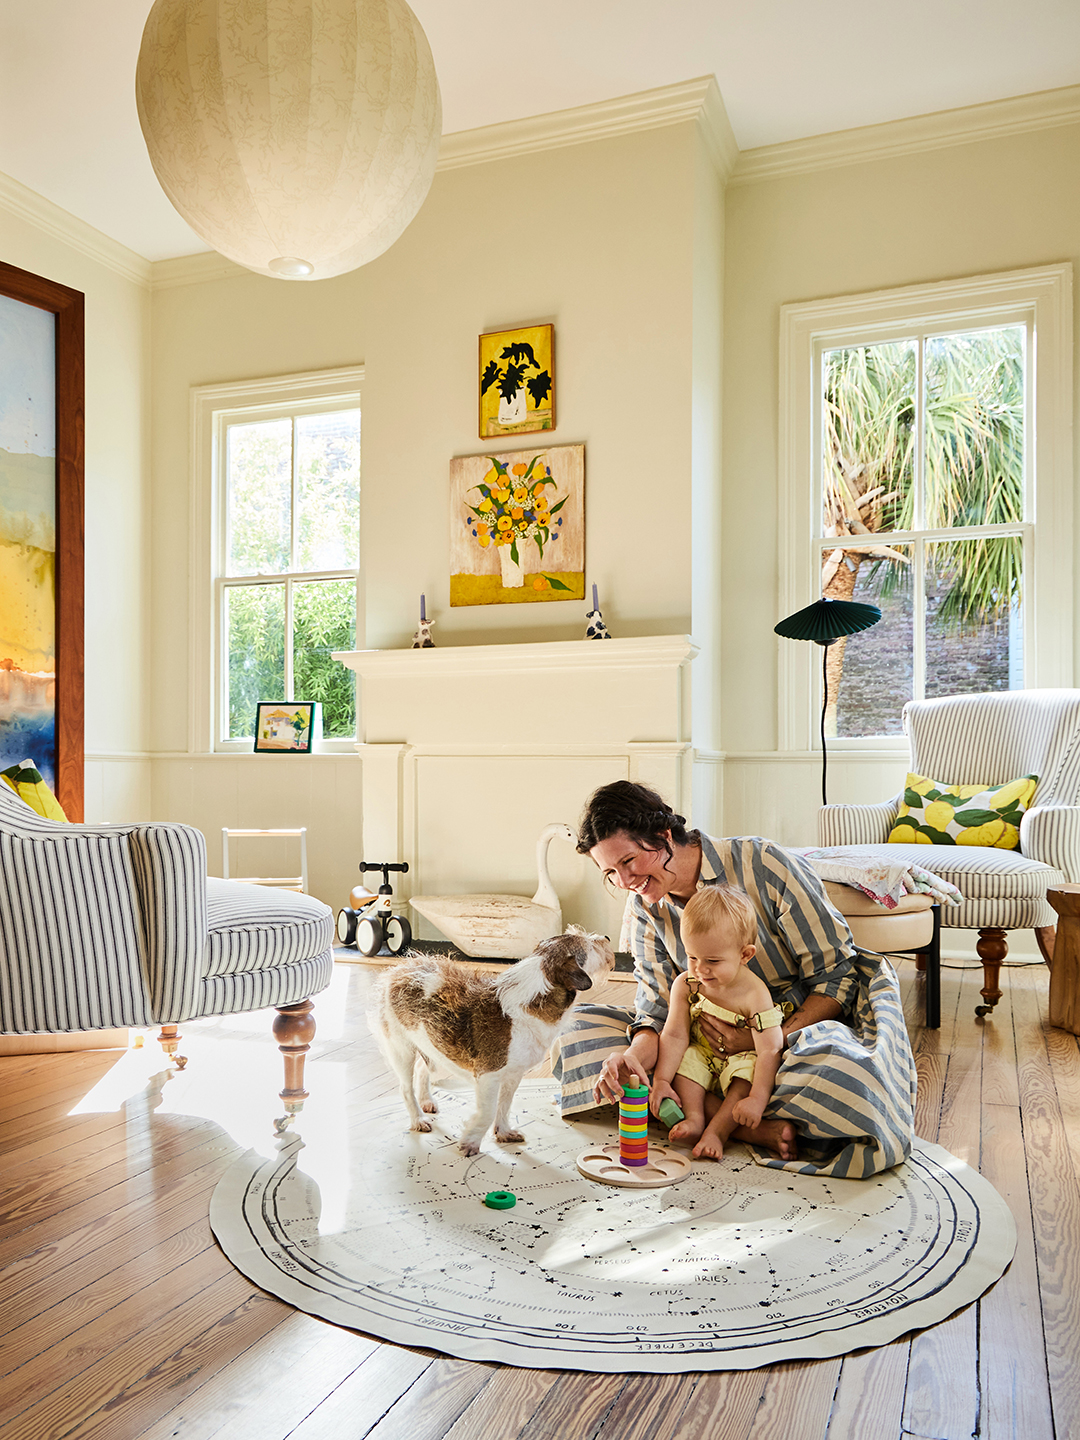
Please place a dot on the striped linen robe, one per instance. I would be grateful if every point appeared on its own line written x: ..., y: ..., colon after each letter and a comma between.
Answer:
x: 848, y: 1086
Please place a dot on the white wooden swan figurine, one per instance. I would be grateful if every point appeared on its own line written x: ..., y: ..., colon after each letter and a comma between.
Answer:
x: 492, y: 927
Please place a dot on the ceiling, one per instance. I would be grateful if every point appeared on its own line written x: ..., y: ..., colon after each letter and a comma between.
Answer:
x: 786, y: 69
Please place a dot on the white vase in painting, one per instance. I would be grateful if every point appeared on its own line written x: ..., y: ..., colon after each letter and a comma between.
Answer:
x: 515, y: 410
x: 513, y: 576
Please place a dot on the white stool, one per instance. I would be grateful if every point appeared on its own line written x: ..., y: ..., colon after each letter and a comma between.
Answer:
x: 284, y: 882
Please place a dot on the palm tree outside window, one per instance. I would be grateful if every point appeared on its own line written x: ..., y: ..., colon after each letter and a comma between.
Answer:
x: 924, y: 512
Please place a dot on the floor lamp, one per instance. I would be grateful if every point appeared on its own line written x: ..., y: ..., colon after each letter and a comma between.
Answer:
x: 824, y: 622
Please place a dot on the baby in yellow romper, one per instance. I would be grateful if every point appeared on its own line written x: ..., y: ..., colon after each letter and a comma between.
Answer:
x: 718, y: 928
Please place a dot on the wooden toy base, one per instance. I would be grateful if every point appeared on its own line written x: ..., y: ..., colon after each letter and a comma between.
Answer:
x: 665, y: 1167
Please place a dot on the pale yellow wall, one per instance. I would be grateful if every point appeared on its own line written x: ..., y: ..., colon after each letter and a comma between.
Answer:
x: 965, y: 210
x: 606, y: 240
x: 117, y: 514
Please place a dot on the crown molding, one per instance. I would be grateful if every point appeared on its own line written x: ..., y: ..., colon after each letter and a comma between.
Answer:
x: 650, y: 110
x: 1045, y: 110
x: 193, y: 270
x: 693, y: 100
x: 26, y: 204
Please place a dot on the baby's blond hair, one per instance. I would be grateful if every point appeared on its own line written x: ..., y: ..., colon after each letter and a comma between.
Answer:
x: 721, y: 905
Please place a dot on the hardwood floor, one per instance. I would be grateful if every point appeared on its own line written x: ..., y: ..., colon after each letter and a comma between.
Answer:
x: 119, y: 1316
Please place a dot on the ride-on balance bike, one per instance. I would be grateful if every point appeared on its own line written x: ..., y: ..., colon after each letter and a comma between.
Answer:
x: 368, y: 921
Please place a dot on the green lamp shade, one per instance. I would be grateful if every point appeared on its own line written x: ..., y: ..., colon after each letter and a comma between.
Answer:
x: 826, y: 620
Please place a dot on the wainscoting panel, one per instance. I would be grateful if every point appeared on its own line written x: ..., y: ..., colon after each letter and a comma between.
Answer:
x: 321, y: 792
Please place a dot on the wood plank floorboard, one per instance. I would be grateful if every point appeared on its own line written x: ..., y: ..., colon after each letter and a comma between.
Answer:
x: 869, y: 1401
x: 722, y: 1403
x: 1055, y: 1206
x: 123, y: 1321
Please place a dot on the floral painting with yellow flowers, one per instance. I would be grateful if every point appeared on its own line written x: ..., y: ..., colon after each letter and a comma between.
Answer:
x: 517, y: 381
x: 517, y: 526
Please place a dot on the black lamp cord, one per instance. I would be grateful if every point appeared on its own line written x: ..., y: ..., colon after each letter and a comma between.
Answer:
x: 824, y: 706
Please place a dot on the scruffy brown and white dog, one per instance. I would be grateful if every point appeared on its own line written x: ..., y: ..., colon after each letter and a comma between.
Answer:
x: 435, y: 1013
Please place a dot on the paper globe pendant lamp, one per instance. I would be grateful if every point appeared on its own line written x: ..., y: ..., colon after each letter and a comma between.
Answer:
x: 297, y: 137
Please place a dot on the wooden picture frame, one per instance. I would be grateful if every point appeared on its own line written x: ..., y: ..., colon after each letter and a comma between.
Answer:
x: 275, y: 718
x: 67, y: 307
x: 517, y: 381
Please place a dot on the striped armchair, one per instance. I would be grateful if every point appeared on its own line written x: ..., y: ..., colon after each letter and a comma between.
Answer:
x: 989, y: 739
x: 115, y: 925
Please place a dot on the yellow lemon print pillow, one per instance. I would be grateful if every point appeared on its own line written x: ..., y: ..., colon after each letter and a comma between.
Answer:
x: 935, y: 814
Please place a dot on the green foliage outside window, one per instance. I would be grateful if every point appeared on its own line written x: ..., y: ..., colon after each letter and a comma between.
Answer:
x: 293, y: 509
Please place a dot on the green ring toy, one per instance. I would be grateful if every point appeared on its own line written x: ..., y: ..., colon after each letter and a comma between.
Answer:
x: 500, y: 1200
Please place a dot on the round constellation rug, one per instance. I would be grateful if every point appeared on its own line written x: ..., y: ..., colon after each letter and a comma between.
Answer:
x: 737, y: 1266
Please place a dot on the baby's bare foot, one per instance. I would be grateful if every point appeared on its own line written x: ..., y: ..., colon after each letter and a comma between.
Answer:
x: 685, y: 1132
x: 709, y: 1147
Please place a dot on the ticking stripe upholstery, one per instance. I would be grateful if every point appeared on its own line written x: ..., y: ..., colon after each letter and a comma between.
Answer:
x: 253, y: 928
x: 988, y: 740
x: 1002, y: 883
x: 848, y: 1086
x: 109, y: 925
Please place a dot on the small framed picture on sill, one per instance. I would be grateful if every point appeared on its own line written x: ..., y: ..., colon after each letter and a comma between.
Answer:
x: 287, y: 727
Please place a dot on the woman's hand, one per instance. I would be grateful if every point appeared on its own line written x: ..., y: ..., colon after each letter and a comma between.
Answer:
x: 661, y: 1091
x: 725, y: 1039
x: 622, y: 1067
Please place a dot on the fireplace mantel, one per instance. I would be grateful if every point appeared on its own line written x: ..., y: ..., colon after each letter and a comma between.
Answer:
x: 554, y: 692
x: 469, y: 751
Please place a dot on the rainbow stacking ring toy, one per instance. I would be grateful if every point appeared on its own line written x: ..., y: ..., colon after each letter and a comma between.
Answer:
x: 634, y: 1125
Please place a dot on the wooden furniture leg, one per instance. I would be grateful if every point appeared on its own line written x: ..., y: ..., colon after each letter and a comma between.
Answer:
x: 169, y: 1040
x: 992, y: 947
x: 1065, y: 971
x: 294, y: 1030
x: 1046, y: 938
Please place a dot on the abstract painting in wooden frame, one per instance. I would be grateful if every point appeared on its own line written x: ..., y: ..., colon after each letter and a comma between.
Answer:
x: 41, y: 530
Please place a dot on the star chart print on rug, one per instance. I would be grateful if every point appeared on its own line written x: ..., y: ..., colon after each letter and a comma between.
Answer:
x: 738, y: 1265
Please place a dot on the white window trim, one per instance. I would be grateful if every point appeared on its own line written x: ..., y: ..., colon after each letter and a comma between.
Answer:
x: 211, y: 407
x: 1039, y: 298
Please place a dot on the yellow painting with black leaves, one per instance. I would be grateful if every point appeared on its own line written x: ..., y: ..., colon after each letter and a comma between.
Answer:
x: 517, y: 526
x: 517, y: 381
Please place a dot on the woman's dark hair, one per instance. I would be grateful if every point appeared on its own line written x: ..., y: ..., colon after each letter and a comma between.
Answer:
x: 640, y: 812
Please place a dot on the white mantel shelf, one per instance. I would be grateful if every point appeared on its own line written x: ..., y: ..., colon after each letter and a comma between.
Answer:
x: 637, y: 652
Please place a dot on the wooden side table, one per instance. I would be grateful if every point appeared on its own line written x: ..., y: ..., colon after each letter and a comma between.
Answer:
x: 1065, y: 971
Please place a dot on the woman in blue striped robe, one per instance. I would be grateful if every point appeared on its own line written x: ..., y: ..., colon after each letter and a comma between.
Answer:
x: 844, y: 1097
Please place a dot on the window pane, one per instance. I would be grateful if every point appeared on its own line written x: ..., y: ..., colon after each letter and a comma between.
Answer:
x: 324, y: 619
x: 872, y: 671
x: 328, y: 496
x: 259, y: 469
x: 255, y: 638
x: 868, y: 421
x: 975, y: 428
x: 974, y: 616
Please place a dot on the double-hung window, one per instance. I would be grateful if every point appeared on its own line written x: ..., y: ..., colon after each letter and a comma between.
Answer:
x: 926, y: 470
x: 283, y: 541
